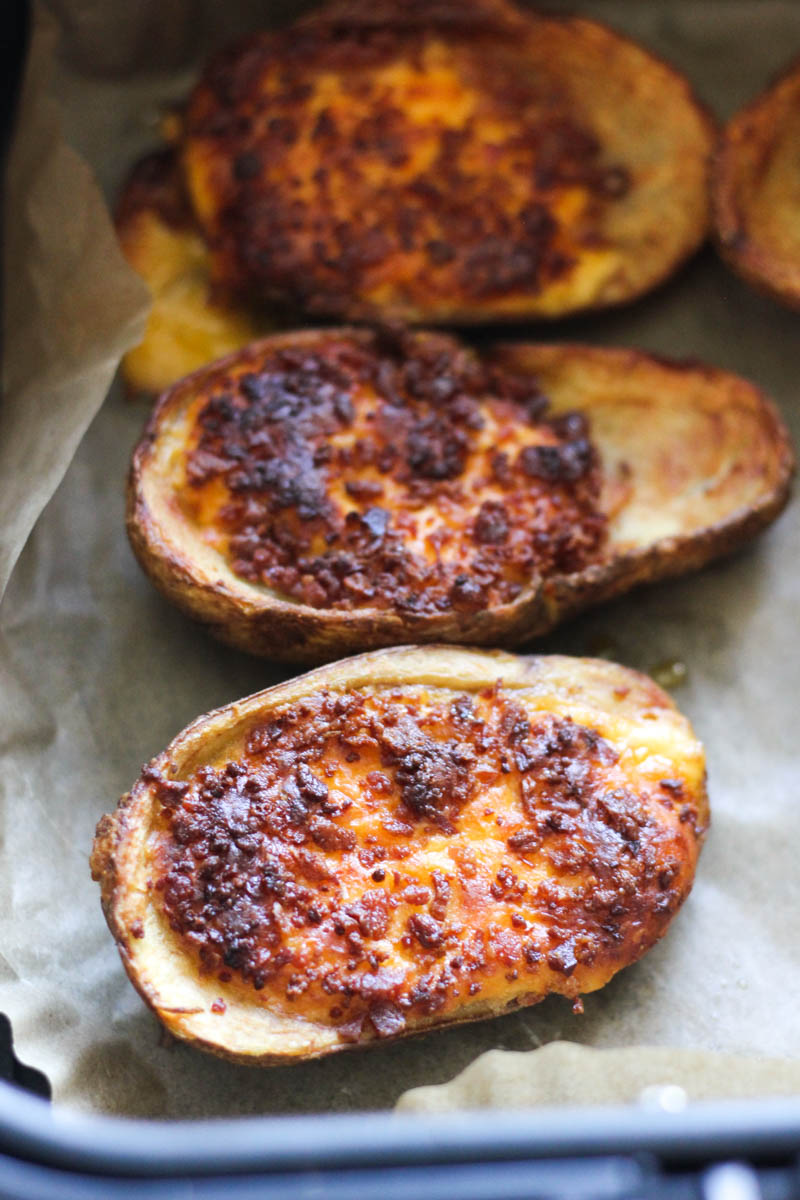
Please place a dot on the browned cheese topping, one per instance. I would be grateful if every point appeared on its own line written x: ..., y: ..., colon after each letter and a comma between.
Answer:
x: 389, y: 473
x: 381, y: 855
x: 417, y: 164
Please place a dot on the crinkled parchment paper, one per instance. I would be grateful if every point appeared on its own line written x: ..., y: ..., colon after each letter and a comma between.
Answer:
x: 72, y: 306
x: 98, y: 672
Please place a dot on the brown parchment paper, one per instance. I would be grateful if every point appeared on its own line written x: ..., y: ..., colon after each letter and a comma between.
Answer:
x: 98, y: 672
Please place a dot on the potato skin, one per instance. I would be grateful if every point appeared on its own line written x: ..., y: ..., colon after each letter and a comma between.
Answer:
x: 632, y: 716
x: 672, y: 425
x: 669, y: 424
x: 755, y: 189
x: 485, y: 243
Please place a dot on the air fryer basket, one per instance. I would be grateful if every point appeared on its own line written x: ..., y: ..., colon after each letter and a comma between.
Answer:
x: 731, y: 1151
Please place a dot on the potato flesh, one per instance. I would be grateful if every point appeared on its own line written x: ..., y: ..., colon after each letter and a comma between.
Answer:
x: 431, y: 885
x: 684, y: 447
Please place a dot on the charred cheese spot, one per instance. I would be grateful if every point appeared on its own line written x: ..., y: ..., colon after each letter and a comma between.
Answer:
x: 387, y: 854
x: 390, y: 473
x: 401, y: 168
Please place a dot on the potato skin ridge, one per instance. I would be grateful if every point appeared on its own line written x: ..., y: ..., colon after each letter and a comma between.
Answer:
x: 544, y: 925
x: 695, y: 461
x: 755, y: 190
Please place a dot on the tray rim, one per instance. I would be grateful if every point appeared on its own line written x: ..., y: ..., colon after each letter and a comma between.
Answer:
x: 32, y: 1130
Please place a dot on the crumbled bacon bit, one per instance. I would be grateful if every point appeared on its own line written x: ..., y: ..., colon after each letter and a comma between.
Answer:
x: 426, y: 930
x: 387, y: 1019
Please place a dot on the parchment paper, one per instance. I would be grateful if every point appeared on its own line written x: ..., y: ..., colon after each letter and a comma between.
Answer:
x: 563, y: 1073
x: 72, y: 306
x: 98, y: 672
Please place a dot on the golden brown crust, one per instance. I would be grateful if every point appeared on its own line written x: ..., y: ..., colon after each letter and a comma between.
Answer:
x: 695, y: 461
x: 446, y: 163
x: 534, y: 832
x: 756, y: 190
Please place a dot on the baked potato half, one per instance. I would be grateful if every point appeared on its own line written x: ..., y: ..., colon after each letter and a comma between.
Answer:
x: 403, y: 840
x: 191, y: 321
x: 756, y: 190
x: 323, y: 492
x: 457, y: 162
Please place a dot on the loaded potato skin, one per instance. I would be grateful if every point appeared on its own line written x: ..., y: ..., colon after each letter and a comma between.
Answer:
x: 452, y: 163
x: 403, y: 840
x: 456, y: 163
x: 326, y: 491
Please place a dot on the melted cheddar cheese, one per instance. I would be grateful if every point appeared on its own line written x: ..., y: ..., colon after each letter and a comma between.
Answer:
x: 191, y: 322
x: 405, y: 169
x: 391, y: 473
x: 388, y: 854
